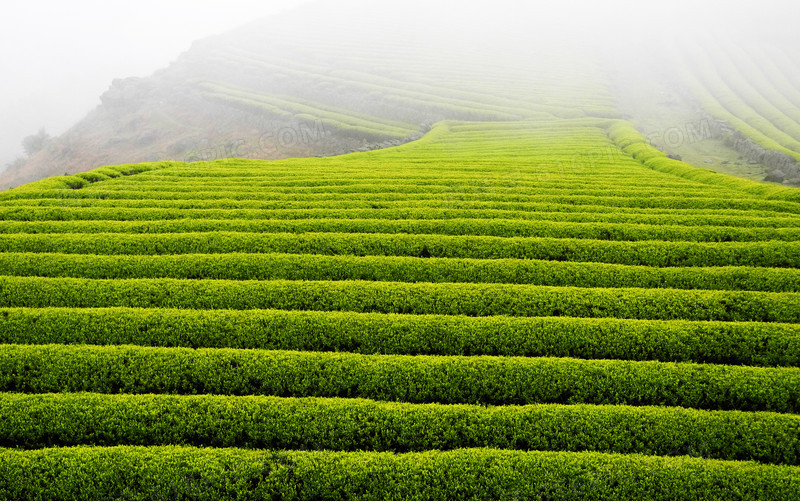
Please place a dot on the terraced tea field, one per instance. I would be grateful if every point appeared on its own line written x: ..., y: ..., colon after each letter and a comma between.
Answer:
x: 536, y: 309
x: 751, y: 91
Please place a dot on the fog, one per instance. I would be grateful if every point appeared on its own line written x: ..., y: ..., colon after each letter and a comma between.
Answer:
x: 57, y: 58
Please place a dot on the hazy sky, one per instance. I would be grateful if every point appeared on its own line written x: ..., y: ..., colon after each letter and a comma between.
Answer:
x: 57, y: 57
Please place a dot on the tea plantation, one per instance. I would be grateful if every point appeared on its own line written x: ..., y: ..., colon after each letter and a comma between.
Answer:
x: 538, y: 309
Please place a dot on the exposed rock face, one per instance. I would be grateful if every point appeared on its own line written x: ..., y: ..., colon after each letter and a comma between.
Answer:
x: 770, y: 158
x: 781, y: 168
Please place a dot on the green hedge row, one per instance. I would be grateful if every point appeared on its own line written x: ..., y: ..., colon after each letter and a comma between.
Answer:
x: 237, y: 184
x: 714, y: 92
x: 244, y: 266
x: 754, y: 344
x: 487, y: 185
x: 627, y: 138
x: 25, y: 213
x: 149, y: 191
x: 178, y: 473
x: 319, y: 173
x: 520, y: 228
x: 485, y: 217
x: 647, y: 253
x: 463, y: 202
x: 403, y: 298
x: 470, y: 200
x: 46, y: 420
x: 416, y: 379
x: 83, y: 180
x: 337, y: 118
x: 164, y: 190
x: 269, y: 177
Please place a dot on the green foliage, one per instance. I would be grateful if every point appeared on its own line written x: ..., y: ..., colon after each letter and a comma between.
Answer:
x: 265, y: 217
x: 415, y: 379
x: 556, y: 289
x: 171, y: 473
x: 754, y: 344
x: 403, y: 298
x: 82, y: 180
x: 338, y: 118
x: 454, y: 227
x: 46, y: 420
x: 646, y: 253
x: 630, y: 141
x: 722, y: 90
x: 93, y: 177
x: 296, y: 267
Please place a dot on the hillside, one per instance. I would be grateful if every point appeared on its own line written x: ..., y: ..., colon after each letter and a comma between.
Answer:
x: 282, y: 88
x: 523, y: 263
x: 502, y: 310
x: 257, y: 93
x: 748, y: 92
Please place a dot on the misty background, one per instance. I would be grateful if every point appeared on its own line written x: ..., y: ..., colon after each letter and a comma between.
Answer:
x: 59, y: 57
